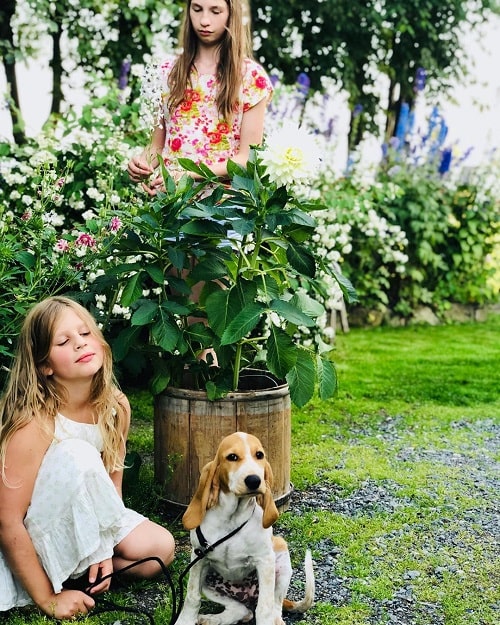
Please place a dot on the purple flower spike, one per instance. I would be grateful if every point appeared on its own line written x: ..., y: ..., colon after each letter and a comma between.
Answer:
x: 357, y: 110
x: 394, y: 143
x: 274, y: 78
x: 444, y: 166
x: 443, y: 132
x: 303, y: 83
x: 402, y: 125
x: 420, y: 78
x: 124, y: 72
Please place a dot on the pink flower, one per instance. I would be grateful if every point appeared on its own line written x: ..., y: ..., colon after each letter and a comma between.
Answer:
x: 61, y: 246
x: 60, y: 183
x: 86, y: 240
x: 26, y: 216
x: 261, y: 82
x: 115, y: 224
x: 176, y: 144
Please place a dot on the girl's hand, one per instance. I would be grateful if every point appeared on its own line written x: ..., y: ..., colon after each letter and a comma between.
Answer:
x: 68, y: 604
x: 139, y: 169
x: 154, y: 185
x: 97, y: 572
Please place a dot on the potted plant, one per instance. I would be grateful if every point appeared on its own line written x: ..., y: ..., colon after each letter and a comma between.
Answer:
x: 247, y: 243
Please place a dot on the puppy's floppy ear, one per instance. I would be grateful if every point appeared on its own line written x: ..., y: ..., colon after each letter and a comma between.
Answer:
x: 271, y: 513
x: 203, y: 497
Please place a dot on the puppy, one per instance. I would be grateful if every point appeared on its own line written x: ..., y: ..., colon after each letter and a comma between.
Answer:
x: 249, y: 569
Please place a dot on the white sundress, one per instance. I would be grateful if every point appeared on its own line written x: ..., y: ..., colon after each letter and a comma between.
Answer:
x: 75, y: 517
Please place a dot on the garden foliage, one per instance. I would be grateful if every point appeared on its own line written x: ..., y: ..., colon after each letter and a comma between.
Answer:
x: 407, y: 236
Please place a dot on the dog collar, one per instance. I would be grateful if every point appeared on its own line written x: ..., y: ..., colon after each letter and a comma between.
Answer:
x: 205, y: 547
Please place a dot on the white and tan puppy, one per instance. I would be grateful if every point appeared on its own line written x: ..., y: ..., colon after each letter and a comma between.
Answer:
x: 251, y: 569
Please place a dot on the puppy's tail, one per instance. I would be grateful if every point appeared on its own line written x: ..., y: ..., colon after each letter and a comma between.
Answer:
x: 304, y: 604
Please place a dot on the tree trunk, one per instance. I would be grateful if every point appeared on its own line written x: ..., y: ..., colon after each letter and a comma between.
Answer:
x: 8, y: 59
x: 57, y: 71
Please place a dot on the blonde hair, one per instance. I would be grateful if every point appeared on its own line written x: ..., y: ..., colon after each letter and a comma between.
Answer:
x: 32, y: 395
x: 234, y: 48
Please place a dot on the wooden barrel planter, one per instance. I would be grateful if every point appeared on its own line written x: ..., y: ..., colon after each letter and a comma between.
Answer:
x: 189, y: 428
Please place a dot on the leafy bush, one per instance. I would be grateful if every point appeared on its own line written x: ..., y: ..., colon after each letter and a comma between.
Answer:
x: 413, y: 237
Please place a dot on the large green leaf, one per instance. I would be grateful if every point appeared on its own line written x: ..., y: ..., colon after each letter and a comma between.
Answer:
x: 281, y: 352
x: 291, y: 313
x: 307, y: 304
x: 243, y: 323
x: 124, y: 341
x: 199, y: 333
x: 27, y: 259
x: 156, y: 273
x: 132, y: 290
x: 301, y: 259
x: 166, y: 334
x: 207, y: 269
x: 160, y: 378
x: 177, y: 257
x: 219, y: 311
x: 302, y: 379
x: 327, y: 377
x: 146, y: 312
x: 346, y: 287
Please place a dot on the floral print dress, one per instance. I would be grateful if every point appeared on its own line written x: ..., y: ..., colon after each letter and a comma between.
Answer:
x: 195, y: 130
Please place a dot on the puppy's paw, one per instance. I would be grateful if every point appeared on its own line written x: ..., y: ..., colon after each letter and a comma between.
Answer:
x: 225, y: 618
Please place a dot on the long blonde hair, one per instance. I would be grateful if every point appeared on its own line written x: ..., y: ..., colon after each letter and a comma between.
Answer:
x: 235, y: 46
x: 32, y: 395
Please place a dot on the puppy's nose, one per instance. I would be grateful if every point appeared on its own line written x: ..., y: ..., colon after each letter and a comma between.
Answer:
x: 252, y: 482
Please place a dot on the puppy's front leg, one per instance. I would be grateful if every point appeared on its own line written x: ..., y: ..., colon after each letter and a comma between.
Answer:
x: 192, y: 602
x: 266, y: 571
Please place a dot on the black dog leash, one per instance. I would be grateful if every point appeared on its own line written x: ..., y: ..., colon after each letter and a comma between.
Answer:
x: 105, y: 605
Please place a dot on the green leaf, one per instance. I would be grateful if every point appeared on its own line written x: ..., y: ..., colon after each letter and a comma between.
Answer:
x: 281, y: 352
x: 199, y: 333
x: 218, y: 311
x: 243, y: 323
x: 161, y: 377
x: 301, y: 259
x: 301, y: 379
x: 156, y: 273
x: 166, y: 334
x: 132, y: 290
x: 346, y: 287
x: 307, y: 304
x: 327, y: 377
x: 124, y: 341
x: 177, y: 257
x: 26, y: 259
x: 201, y: 169
x: 145, y: 314
x: 291, y: 313
x: 209, y: 268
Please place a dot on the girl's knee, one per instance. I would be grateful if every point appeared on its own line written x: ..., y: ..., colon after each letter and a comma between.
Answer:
x: 167, y: 547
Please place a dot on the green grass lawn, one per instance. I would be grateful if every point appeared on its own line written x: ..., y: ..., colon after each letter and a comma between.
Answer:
x: 417, y: 415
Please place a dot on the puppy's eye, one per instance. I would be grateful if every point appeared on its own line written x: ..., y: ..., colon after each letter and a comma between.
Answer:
x: 232, y: 457
x: 259, y: 455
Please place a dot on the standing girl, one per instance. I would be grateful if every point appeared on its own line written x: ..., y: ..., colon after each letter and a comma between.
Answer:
x: 63, y: 430
x: 214, y: 95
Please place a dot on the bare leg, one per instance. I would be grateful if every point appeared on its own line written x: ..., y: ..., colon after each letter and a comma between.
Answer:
x: 146, y: 540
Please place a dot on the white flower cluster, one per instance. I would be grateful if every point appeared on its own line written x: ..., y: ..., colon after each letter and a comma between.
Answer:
x: 151, y: 101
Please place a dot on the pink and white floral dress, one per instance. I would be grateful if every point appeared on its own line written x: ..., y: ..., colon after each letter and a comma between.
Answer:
x: 195, y: 130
